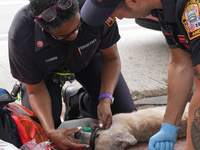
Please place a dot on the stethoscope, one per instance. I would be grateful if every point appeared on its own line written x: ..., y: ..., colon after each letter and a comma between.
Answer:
x: 79, y: 134
x: 92, y: 138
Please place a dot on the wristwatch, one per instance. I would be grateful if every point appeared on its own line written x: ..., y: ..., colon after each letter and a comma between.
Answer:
x: 104, y: 95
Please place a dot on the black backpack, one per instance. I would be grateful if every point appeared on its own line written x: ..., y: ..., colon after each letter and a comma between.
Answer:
x: 8, y: 128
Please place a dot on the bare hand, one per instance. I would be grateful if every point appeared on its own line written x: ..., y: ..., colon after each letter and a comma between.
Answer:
x: 104, y: 113
x: 60, y: 138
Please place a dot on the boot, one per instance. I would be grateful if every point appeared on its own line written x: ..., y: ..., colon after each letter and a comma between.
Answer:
x: 71, y: 100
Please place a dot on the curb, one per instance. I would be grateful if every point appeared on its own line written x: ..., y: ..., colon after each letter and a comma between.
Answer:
x: 159, y: 100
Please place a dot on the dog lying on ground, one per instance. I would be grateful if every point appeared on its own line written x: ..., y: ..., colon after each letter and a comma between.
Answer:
x: 129, y: 128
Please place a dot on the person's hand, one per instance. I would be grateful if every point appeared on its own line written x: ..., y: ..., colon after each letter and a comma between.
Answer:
x: 165, y: 139
x: 104, y: 114
x: 60, y: 138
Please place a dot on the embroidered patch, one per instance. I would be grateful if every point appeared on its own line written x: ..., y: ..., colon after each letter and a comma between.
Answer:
x: 191, y: 20
x: 110, y: 21
x: 182, y: 39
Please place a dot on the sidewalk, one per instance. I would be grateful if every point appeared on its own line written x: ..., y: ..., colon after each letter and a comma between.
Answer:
x: 160, y: 100
x: 144, y: 58
x: 152, y: 102
x: 7, y: 82
x: 144, y: 146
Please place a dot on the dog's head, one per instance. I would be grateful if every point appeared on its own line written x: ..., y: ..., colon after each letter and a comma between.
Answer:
x: 110, y: 140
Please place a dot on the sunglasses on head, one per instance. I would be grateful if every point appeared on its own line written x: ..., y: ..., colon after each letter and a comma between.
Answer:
x: 50, y: 14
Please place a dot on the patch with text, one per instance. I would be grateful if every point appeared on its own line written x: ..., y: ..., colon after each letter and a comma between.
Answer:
x: 190, y: 19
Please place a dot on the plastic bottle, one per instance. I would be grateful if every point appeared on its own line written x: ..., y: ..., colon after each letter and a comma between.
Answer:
x: 71, y: 137
x: 83, y: 135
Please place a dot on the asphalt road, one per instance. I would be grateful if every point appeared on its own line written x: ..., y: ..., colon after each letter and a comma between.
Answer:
x: 144, y: 53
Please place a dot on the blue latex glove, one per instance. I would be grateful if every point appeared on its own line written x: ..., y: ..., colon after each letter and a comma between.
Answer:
x: 165, y: 139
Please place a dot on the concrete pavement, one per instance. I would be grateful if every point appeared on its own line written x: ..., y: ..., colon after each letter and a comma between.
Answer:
x: 144, y: 57
x: 6, y: 79
x: 180, y: 143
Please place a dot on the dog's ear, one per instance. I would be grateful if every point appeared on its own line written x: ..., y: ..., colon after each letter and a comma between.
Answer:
x: 125, y: 137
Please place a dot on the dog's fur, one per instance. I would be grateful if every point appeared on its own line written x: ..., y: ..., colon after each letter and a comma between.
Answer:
x: 128, y: 129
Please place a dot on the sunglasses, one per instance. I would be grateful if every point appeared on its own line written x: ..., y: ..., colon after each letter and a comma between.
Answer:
x: 50, y: 14
x: 77, y: 28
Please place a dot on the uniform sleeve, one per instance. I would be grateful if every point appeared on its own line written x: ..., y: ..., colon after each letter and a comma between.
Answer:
x: 168, y: 38
x: 195, y: 55
x: 110, y: 34
x: 22, y: 67
x: 192, y: 29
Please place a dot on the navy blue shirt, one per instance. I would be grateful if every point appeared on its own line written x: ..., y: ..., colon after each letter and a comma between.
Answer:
x: 34, y: 53
x: 180, y: 24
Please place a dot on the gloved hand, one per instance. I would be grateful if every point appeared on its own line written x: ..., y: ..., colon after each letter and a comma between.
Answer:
x: 165, y: 139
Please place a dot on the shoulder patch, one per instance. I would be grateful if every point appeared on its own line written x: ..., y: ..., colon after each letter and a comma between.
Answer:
x: 110, y: 21
x: 191, y: 20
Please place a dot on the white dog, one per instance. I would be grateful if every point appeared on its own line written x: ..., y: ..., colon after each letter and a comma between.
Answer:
x: 129, y: 128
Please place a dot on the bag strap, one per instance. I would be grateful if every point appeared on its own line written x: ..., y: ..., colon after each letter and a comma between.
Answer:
x: 33, y: 127
x: 21, y: 131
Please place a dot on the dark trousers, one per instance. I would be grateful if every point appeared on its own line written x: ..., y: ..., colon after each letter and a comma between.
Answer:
x: 90, y: 79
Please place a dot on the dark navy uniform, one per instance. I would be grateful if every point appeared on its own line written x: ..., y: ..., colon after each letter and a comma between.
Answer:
x: 180, y: 24
x: 35, y: 54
